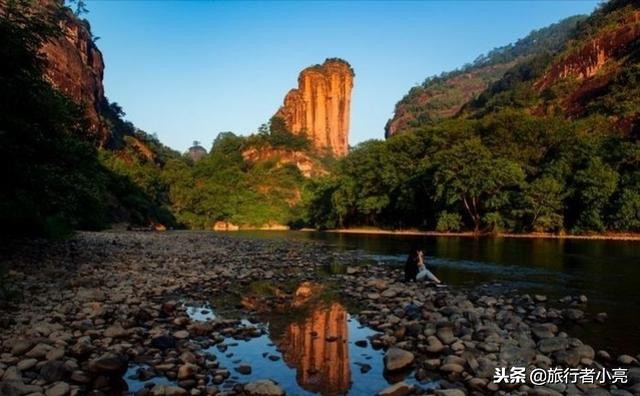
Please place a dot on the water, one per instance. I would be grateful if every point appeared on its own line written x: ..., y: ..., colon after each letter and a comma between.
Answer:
x: 607, y: 272
x: 313, y: 353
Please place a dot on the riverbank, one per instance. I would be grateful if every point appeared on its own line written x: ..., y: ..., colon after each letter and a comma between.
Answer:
x: 179, y: 313
x: 379, y: 231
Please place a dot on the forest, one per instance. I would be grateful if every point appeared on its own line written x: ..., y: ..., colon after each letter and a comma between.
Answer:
x: 509, y: 161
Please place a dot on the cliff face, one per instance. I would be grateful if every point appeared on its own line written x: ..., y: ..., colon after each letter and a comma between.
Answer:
x: 75, y: 66
x: 305, y: 164
x: 320, y: 106
x: 592, y: 65
x: 591, y: 57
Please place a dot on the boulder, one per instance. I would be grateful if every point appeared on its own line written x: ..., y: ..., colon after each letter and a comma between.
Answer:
x: 397, y: 359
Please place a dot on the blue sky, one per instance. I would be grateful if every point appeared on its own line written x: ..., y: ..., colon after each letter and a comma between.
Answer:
x: 187, y: 70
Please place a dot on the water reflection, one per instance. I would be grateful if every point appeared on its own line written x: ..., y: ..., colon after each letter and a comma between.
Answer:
x: 607, y: 271
x: 318, y: 349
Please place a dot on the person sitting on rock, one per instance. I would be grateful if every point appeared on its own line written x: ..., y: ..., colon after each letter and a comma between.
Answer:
x: 415, y: 268
x: 411, y: 265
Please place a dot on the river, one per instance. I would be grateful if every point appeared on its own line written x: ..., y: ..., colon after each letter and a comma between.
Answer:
x: 607, y: 272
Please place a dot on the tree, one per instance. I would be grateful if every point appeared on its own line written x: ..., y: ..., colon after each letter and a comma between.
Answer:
x: 468, y: 174
x: 593, y: 185
x: 543, y: 203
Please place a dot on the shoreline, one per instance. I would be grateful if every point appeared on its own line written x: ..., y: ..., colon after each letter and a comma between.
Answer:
x: 412, y: 232
x: 164, y: 314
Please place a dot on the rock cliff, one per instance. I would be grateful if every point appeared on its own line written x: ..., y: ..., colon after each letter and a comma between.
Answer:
x: 320, y: 106
x: 75, y: 66
x: 308, y: 166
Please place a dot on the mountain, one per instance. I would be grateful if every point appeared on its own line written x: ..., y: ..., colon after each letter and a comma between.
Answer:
x: 579, y: 67
x: 445, y: 95
x: 320, y: 106
x: 596, y: 73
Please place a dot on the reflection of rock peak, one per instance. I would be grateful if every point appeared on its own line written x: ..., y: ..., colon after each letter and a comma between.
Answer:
x: 319, y: 351
x: 320, y: 106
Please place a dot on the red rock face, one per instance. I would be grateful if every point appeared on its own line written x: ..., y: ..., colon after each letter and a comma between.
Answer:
x: 320, y: 106
x: 307, y: 165
x: 585, y: 62
x: 75, y: 66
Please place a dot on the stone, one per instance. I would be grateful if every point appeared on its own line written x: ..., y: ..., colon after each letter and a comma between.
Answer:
x: 80, y: 377
x: 39, y: 351
x: 12, y: 374
x: 397, y: 359
x: 585, y: 352
x: 361, y: 343
x: 58, y: 389
x: 163, y: 342
x: 116, y: 331
x: 21, y: 346
x: 320, y: 106
x: 175, y: 391
x: 452, y: 368
x: 244, y: 368
x: 516, y: 356
x: 188, y: 357
x: 397, y: 389
x: 109, y: 364
x: 187, y: 370
x: 445, y: 334
x: 434, y: 344
x: 18, y: 388
x: 627, y: 360
x: 431, y: 364
x: 450, y: 392
x: 26, y: 364
x: 540, y: 297
x: 263, y: 388
x: 55, y: 354
x: 572, y: 314
x: 181, y: 334
x: 53, y: 371
x: 544, y: 330
x: 553, y: 344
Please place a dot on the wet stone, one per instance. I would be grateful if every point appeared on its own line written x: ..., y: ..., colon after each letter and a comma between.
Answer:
x: 244, y: 368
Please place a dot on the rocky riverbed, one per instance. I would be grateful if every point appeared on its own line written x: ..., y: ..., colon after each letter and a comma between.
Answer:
x: 182, y: 313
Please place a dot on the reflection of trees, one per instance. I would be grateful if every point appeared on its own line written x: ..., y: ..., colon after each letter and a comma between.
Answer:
x: 317, y: 347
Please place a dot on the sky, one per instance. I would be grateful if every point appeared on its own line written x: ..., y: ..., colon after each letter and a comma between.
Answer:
x: 188, y: 70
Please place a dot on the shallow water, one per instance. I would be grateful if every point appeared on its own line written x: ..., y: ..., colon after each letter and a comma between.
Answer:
x: 313, y: 354
x: 607, y: 272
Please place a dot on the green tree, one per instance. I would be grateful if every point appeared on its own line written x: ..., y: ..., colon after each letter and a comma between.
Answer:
x: 593, y: 185
x: 467, y: 174
x: 543, y: 201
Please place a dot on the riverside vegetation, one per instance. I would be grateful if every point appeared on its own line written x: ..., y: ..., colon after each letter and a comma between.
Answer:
x: 166, y: 313
x: 532, y: 151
